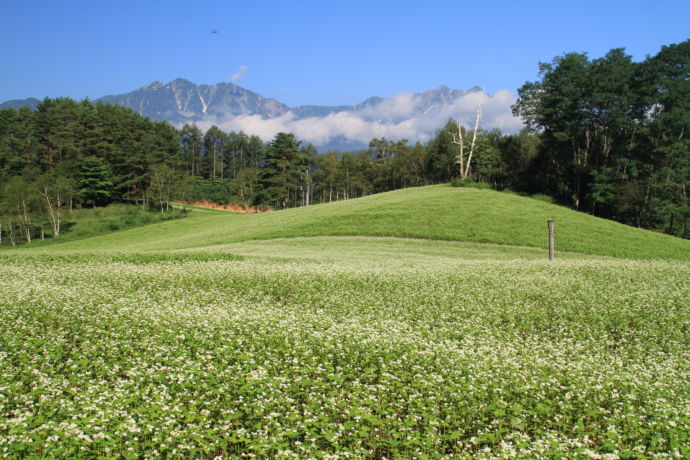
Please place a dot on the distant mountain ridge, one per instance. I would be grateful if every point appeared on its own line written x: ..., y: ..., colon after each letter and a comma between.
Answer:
x: 181, y: 101
x: 404, y: 115
x: 30, y: 102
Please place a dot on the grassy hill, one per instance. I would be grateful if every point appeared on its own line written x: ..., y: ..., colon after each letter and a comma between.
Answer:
x: 436, y: 212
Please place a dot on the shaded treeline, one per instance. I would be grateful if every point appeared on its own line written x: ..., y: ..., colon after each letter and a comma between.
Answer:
x: 68, y: 153
x: 614, y: 135
x: 606, y: 136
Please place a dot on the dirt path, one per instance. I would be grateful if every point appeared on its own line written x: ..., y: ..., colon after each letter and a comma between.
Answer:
x: 230, y: 207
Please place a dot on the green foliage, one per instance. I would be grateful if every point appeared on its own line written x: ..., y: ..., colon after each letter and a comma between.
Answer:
x: 469, y: 183
x: 191, y: 139
x: 166, y: 186
x: 244, y: 186
x: 542, y: 197
x: 216, y: 190
x: 215, y: 143
x: 613, y: 135
x: 95, y: 184
x: 285, y: 168
x: 19, y: 204
x: 518, y: 154
x: 486, y: 164
x: 441, y: 151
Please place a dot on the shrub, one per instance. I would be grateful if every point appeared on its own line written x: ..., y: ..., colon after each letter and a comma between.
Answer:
x: 469, y: 183
x: 544, y: 198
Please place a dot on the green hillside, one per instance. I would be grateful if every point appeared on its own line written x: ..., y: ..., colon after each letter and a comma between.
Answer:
x: 434, y: 212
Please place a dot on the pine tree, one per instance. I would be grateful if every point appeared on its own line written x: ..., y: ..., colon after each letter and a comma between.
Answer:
x: 283, y: 170
x: 95, y: 185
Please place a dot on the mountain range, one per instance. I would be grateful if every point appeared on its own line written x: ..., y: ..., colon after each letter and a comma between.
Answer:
x: 233, y: 108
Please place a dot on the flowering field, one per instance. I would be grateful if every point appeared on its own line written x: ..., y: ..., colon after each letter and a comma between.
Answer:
x: 343, y: 347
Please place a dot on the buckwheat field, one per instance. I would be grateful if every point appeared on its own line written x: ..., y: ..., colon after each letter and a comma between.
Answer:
x: 343, y: 347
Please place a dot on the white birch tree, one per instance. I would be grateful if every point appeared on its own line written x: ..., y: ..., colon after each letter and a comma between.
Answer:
x: 460, y: 142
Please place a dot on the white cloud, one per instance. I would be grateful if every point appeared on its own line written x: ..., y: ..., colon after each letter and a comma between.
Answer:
x: 399, y: 106
x: 398, y: 117
x: 235, y: 78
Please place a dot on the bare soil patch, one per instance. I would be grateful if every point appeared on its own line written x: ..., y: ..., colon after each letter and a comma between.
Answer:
x: 230, y: 207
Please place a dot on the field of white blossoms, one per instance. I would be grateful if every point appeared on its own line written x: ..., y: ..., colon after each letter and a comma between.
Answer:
x: 343, y: 347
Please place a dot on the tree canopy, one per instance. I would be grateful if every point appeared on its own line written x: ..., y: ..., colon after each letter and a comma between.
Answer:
x: 613, y: 134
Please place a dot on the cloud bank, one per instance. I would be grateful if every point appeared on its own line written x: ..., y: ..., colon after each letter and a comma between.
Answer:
x: 403, y: 116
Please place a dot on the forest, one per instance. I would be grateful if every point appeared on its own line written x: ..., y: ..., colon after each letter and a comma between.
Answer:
x: 606, y: 136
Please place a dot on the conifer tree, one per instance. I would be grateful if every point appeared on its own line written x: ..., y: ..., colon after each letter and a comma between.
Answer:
x: 284, y: 168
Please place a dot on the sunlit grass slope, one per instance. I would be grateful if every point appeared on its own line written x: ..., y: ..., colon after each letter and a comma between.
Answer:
x: 434, y: 212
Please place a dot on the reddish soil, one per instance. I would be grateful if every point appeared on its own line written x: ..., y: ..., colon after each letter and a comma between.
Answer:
x: 230, y: 207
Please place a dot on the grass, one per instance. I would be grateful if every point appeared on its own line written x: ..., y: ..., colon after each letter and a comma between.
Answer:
x: 436, y: 212
x: 327, y: 332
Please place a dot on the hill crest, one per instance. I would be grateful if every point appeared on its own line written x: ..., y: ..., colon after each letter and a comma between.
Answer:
x: 436, y: 212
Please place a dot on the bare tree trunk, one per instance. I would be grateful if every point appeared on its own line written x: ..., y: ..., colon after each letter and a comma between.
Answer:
x: 347, y: 183
x: 460, y: 142
x: 308, y: 188
x: 461, y: 158
x: 54, y: 220
x: 214, y: 162
x: 27, y: 224
x: 13, y: 240
x: 685, y: 217
x: 474, y: 139
x: 58, y: 208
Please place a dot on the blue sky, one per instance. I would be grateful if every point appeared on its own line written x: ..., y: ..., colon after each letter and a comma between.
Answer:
x: 321, y: 52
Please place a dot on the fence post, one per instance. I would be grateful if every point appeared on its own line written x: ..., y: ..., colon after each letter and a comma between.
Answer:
x: 552, y: 244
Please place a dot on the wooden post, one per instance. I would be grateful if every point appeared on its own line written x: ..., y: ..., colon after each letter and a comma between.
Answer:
x: 552, y: 244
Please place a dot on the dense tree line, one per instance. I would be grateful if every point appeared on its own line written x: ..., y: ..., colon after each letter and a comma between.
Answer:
x: 68, y: 153
x: 614, y: 135
x: 607, y: 136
